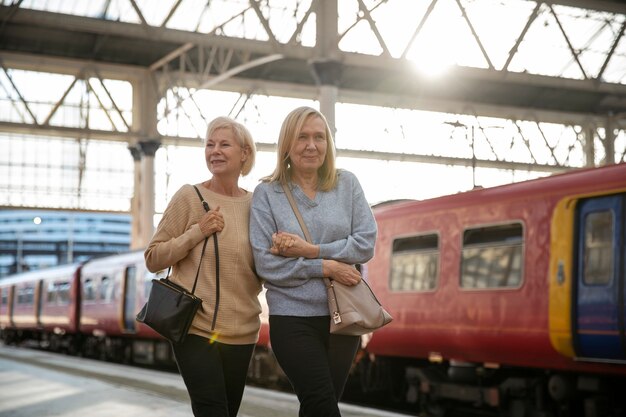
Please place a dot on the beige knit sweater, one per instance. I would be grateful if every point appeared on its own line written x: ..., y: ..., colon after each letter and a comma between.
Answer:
x: 178, y: 242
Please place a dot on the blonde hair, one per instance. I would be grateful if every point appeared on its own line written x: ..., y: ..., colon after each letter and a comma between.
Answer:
x: 242, y: 135
x: 289, y: 131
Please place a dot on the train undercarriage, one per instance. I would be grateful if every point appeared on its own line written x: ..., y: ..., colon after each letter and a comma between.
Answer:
x: 455, y: 389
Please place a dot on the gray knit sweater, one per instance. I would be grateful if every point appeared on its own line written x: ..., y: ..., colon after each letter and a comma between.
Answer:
x: 340, y: 221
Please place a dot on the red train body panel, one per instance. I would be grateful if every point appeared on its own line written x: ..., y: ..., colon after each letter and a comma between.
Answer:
x: 507, y: 326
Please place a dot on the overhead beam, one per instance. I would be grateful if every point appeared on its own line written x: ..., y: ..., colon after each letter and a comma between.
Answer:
x: 615, y: 6
x: 84, y: 24
x: 130, y: 73
x: 244, y: 86
x: 46, y: 132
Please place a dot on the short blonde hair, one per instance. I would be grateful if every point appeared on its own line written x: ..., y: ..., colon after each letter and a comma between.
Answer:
x: 289, y: 131
x: 243, y: 136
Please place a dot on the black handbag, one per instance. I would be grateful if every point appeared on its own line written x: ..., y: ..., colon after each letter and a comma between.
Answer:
x: 171, y: 308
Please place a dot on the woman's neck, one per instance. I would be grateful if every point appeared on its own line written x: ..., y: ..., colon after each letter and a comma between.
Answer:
x: 307, y: 181
x: 224, y: 187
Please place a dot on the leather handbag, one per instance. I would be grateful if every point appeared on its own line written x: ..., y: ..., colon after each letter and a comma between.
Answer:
x: 354, y: 310
x: 170, y: 309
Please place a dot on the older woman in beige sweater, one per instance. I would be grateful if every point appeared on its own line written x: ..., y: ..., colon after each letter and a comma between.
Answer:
x: 213, y: 360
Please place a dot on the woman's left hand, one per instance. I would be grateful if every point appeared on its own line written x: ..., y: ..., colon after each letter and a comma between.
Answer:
x: 291, y: 245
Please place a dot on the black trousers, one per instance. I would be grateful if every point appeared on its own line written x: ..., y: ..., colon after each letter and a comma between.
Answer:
x: 214, y: 374
x: 316, y: 362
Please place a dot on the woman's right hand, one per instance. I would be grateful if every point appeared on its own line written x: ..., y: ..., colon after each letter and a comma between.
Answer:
x: 341, y: 272
x: 291, y: 245
x: 211, y: 222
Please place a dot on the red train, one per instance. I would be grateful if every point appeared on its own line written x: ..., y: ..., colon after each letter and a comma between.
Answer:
x: 511, y: 299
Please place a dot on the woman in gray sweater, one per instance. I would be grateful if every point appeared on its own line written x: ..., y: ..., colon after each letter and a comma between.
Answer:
x: 343, y: 233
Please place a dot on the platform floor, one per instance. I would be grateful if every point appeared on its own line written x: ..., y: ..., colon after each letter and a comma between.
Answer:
x: 40, y: 384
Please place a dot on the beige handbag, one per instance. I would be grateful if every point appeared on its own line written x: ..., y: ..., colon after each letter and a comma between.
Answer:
x: 354, y: 310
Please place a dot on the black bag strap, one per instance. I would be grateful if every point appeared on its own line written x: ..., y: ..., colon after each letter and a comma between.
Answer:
x: 217, y: 262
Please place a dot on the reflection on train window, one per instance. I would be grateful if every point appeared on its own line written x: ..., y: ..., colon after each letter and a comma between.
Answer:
x: 492, y: 257
x: 106, y: 289
x: 52, y: 294
x: 89, y: 291
x: 58, y: 293
x: 415, y: 263
x: 63, y: 295
x: 25, y: 295
x: 598, y: 248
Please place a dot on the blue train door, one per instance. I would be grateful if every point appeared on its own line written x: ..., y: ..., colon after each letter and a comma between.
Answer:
x: 599, y: 308
x: 130, y: 285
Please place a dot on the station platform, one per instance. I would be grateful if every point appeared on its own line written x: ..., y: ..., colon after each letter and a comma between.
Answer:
x: 40, y: 384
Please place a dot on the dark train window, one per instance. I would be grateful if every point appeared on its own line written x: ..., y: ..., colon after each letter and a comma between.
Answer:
x: 492, y: 257
x: 415, y: 263
x: 599, y: 243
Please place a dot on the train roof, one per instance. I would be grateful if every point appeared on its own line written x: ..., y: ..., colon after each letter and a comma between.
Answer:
x: 572, y: 181
x: 43, y: 273
x: 122, y: 255
x: 65, y: 269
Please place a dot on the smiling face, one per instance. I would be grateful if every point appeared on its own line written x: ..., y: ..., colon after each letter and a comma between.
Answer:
x: 223, y: 153
x: 309, y: 148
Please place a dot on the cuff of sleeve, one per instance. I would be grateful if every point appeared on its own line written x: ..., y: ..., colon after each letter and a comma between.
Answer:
x: 315, y: 268
x: 195, y: 235
x: 327, y: 250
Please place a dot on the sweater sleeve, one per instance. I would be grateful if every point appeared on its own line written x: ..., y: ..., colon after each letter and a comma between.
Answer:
x: 279, y: 270
x: 173, y: 239
x: 358, y: 246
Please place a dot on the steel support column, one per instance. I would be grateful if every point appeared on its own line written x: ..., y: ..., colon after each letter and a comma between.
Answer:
x: 146, y: 205
x: 145, y: 101
x: 135, y: 201
x: 326, y: 66
x: 589, y: 133
x: 609, y: 141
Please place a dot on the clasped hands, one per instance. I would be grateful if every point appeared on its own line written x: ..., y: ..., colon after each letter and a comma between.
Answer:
x: 291, y: 245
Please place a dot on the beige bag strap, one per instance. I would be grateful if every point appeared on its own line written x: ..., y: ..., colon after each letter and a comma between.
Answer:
x: 294, y: 207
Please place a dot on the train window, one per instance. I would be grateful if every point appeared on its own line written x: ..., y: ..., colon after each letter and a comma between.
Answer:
x: 25, y: 295
x: 599, y: 245
x: 88, y: 290
x: 492, y: 257
x: 106, y: 289
x: 51, y: 293
x: 63, y: 293
x: 415, y: 263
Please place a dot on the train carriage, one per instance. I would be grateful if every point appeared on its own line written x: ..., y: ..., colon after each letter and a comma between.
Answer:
x: 114, y: 288
x: 40, y: 302
x: 486, y: 284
